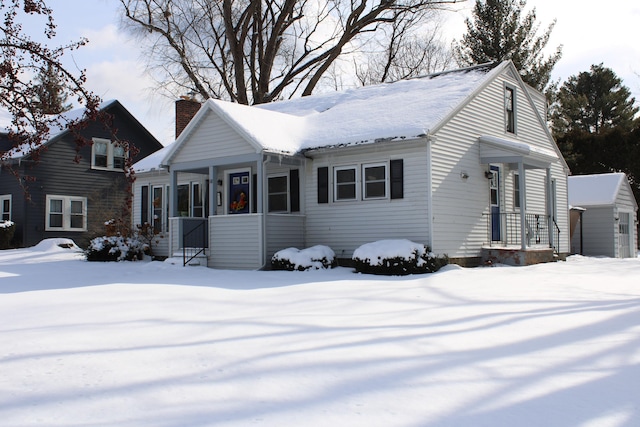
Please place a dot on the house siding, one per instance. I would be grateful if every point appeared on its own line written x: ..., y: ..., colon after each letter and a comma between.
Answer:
x: 284, y: 231
x: 346, y: 225
x: 236, y: 242
x: 600, y: 232
x: 212, y: 138
x: 626, y: 203
x: 57, y: 173
x: 460, y: 207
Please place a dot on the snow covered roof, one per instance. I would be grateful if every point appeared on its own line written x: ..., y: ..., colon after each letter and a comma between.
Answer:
x: 54, y: 132
x: 406, y: 109
x: 598, y: 189
x: 153, y: 161
x: 402, y: 110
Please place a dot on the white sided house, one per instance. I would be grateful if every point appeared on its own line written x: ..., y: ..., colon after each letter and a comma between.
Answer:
x: 461, y: 161
x: 603, y: 216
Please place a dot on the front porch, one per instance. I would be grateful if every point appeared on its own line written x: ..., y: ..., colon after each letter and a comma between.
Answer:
x: 237, y: 242
x: 518, y: 238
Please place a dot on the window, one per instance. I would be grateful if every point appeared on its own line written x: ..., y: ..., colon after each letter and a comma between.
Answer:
x: 158, y: 210
x: 374, y: 181
x: 66, y: 213
x: 278, y: 193
x: 5, y: 207
x: 365, y: 181
x: 345, y: 183
x: 516, y: 191
x: 197, y: 200
x: 107, y: 155
x: 183, y: 200
x: 510, y: 109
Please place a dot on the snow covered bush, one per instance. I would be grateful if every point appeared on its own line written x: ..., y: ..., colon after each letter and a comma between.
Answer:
x: 114, y: 248
x: 7, y: 228
x: 313, y: 258
x: 396, y: 258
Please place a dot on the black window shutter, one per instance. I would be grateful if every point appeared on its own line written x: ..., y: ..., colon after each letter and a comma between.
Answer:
x: 294, y: 190
x: 397, y: 178
x: 254, y: 194
x: 323, y: 185
x: 144, y: 199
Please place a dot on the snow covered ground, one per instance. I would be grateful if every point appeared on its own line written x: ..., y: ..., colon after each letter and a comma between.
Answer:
x: 154, y: 344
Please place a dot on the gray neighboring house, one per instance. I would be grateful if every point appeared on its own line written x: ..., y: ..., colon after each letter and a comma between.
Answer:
x: 462, y: 161
x: 604, y: 215
x: 65, y: 198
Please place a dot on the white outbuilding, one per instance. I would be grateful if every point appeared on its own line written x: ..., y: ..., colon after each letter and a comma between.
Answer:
x: 603, y: 215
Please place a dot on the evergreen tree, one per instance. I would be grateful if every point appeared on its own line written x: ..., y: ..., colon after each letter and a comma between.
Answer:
x: 593, y: 101
x: 50, y: 95
x: 498, y: 32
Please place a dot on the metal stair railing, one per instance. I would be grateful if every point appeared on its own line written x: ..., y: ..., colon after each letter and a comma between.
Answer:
x: 194, y: 241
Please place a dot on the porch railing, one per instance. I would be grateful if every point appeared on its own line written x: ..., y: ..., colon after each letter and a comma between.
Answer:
x: 536, y: 229
x: 194, y: 238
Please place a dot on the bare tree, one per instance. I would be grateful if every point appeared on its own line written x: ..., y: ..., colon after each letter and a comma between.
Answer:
x: 23, y: 62
x: 407, y: 54
x: 256, y: 51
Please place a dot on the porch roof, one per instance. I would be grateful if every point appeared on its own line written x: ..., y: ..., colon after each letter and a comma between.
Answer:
x: 502, y: 150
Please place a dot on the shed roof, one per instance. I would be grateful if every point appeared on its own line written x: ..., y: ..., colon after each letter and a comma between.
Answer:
x: 594, y: 190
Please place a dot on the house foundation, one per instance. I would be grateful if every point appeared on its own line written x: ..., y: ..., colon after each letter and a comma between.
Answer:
x: 517, y: 257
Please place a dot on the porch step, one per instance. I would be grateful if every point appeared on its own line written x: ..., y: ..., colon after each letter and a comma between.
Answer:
x: 200, y: 260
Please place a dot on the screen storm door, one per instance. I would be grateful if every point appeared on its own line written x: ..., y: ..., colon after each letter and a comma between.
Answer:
x: 494, y: 191
x: 239, y: 192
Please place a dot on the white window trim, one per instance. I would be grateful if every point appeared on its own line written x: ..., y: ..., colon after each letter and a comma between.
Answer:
x: 110, y: 157
x: 2, y: 200
x: 66, y: 213
x: 336, y: 169
x: 285, y: 176
x: 386, y: 180
x: 514, y: 93
x: 516, y: 191
x: 164, y: 219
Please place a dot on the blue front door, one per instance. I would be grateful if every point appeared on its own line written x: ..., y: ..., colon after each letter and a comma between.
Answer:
x: 494, y: 190
x: 239, y: 192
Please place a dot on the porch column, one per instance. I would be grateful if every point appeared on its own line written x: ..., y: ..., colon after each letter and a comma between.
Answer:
x: 260, y: 186
x: 213, y: 186
x: 173, y: 188
x: 523, y: 206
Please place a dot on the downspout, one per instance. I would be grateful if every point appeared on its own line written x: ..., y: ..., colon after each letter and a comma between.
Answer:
x: 430, y: 139
x: 581, y: 244
x: 550, y: 219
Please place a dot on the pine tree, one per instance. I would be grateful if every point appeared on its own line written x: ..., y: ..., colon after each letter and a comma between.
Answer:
x: 593, y: 101
x: 50, y: 95
x: 499, y: 32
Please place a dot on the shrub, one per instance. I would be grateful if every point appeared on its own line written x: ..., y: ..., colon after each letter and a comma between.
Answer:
x: 396, y: 258
x: 114, y: 248
x: 316, y: 258
x: 7, y: 229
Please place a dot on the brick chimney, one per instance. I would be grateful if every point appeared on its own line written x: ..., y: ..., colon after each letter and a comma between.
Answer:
x: 186, y: 108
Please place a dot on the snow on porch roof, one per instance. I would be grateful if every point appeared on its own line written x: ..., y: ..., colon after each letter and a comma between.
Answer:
x: 390, y: 111
x: 598, y: 189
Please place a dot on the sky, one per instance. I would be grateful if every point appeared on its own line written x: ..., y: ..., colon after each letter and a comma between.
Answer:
x: 115, y: 68
x: 156, y: 344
